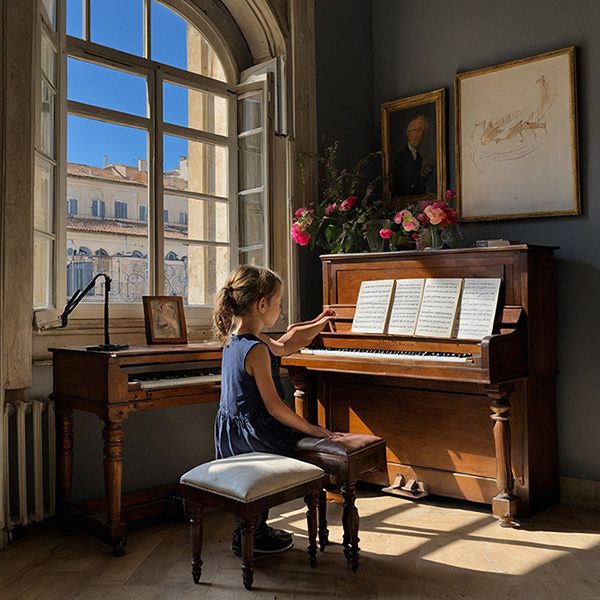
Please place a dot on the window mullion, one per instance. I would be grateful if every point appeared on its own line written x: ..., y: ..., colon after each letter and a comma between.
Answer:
x: 156, y: 191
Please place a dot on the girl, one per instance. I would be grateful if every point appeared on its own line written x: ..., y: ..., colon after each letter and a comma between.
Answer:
x: 252, y: 415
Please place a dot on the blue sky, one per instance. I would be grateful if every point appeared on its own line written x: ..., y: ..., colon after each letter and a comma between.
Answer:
x: 119, y: 24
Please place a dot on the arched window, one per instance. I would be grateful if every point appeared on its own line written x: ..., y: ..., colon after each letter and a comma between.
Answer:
x: 151, y: 88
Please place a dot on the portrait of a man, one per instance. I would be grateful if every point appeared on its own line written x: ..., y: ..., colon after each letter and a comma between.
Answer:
x: 413, y: 145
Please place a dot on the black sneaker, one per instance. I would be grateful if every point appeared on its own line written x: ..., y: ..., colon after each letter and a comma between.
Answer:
x: 269, y: 541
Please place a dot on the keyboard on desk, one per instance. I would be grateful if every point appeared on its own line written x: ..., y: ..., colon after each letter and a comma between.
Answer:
x: 393, y: 354
x: 169, y: 376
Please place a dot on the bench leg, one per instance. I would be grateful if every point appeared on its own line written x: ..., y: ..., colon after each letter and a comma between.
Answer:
x: 312, y: 501
x: 248, y: 552
x: 323, y: 531
x: 350, y: 524
x: 196, y: 533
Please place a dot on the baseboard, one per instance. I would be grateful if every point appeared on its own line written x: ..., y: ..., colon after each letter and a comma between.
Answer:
x: 580, y: 492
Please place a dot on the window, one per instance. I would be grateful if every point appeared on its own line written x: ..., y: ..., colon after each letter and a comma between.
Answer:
x: 72, y: 206
x: 120, y: 210
x: 143, y: 213
x: 166, y: 216
x: 183, y: 218
x: 98, y: 208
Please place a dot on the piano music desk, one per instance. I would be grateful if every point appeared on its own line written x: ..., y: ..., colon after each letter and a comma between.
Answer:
x: 97, y: 382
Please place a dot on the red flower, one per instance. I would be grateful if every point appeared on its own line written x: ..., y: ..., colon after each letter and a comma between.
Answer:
x: 386, y: 233
x: 450, y: 194
x: 349, y: 202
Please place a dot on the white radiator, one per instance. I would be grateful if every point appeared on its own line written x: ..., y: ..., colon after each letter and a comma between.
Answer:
x: 29, y: 439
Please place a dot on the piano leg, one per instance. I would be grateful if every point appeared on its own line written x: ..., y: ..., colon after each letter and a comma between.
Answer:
x: 505, y: 504
x: 113, y: 480
x: 350, y: 525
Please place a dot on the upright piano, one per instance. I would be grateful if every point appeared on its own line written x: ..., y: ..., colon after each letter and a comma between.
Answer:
x: 469, y: 419
x: 113, y: 385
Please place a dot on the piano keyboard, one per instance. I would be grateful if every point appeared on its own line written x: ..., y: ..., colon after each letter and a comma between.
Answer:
x: 157, y: 380
x: 395, y: 354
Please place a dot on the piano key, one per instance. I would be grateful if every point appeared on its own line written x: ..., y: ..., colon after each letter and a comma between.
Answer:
x: 395, y: 354
x: 154, y: 384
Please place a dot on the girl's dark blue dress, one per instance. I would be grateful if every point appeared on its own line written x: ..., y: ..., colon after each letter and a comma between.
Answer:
x: 243, y: 423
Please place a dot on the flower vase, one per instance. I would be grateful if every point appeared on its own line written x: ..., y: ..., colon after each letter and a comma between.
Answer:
x: 372, y: 228
x: 436, y: 242
x: 452, y: 236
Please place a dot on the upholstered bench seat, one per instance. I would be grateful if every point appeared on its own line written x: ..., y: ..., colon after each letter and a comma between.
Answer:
x: 246, y: 485
x: 346, y: 457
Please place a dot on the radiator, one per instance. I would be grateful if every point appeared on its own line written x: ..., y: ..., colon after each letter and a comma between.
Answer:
x: 30, y: 462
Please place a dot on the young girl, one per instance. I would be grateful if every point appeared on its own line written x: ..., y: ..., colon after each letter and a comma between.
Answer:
x: 252, y: 415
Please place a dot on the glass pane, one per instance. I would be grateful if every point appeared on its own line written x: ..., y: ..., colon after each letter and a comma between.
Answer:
x: 42, y: 269
x: 252, y: 219
x: 47, y: 121
x: 118, y: 24
x: 251, y: 162
x: 48, y: 59
x: 195, y: 272
x: 255, y: 257
x: 192, y: 108
x: 178, y: 43
x: 101, y: 86
x: 51, y: 10
x: 75, y: 18
x: 250, y: 112
x: 195, y: 166
x: 43, y: 214
x: 101, y: 144
x: 195, y: 219
x: 109, y: 232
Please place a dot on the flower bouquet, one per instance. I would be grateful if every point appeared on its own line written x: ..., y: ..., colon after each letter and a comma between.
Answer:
x: 424, y: 224
x: 341, y: 221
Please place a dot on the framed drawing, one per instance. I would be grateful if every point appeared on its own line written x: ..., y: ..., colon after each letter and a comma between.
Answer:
x: 413, y: 138
x: 516, y: 139
x: 164, y: 319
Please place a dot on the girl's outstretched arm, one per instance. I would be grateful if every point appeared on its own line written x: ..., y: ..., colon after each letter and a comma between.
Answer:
x: 298, y: 335
x: 258, y: 364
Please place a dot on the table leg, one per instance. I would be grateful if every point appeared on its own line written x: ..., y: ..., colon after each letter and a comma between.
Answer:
x: 113, y: 481
x: 64, y: 457
x: 350, y: 524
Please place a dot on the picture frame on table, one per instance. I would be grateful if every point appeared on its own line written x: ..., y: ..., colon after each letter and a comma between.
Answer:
x: 516, y: 139
x: 414, y: 171
x: 164, y: 319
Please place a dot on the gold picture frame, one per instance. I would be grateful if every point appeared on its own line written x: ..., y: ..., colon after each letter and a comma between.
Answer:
x: 414, y: 176
x: 516, y: 139
x: 164, y: 319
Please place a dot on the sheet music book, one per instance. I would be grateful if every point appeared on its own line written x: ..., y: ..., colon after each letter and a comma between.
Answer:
x: 373, y: 306
x: 438, y: 307
x: 477, y: 308
x: 405, y: 306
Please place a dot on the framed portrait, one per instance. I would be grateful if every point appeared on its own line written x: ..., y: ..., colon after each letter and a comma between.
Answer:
x: 164, y: 319
x: 413, y: 138
x: 516, y: 139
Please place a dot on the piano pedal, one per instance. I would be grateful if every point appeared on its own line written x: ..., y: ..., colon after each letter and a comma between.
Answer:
x: 412, y: 489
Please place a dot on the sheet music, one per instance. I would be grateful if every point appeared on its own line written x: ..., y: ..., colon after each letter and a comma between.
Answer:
x: 405, y: 306
x: 477, y: 308
x: 438, y: 307
x: 372, y: 306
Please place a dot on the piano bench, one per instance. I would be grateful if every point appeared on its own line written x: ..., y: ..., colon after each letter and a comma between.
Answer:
x: 246, y: 485
x: 346, y: 458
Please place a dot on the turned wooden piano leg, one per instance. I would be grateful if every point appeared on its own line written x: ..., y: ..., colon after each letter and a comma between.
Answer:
x: 300, y: 382
x: 505, y: 504
x: 113, y: 481
x: 350, y: 524
x: 64, y: 459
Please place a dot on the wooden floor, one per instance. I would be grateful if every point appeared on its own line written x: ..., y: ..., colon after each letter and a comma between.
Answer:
x: 436, y: 549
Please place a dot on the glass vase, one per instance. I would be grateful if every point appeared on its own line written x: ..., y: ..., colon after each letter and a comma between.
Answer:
x: 372, y: 228
x: 436, y: 242
x: 452, y: 236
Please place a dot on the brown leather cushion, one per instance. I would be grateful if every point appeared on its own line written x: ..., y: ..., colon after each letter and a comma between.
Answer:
x: 342, y: 444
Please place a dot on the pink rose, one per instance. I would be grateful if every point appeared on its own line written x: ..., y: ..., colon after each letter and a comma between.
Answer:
x: 435, y: 215
x: 450, y: 194
x: 300, y: 212
x: 331, y: 208
x: 402, y: 215
x: 349, y: 202
x: 410, y: 224
x: 300, y: 237
x: 386, y: 233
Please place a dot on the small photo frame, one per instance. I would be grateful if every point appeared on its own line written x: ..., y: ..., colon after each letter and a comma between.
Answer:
x: 164, y: 319
x: 413, y: 138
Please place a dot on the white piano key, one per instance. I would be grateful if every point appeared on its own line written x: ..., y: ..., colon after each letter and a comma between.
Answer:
x: 393, y: 354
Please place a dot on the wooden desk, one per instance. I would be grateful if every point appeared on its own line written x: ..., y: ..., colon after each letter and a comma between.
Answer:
x: 98, y: 382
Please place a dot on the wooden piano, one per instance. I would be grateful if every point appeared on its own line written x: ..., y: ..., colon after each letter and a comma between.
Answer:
x: 112, y: 385
x: 430, y: 398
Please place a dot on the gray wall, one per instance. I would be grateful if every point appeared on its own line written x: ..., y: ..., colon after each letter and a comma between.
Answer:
x: 417, y: 47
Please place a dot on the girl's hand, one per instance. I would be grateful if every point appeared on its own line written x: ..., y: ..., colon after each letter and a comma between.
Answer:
x: 319, y: 432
